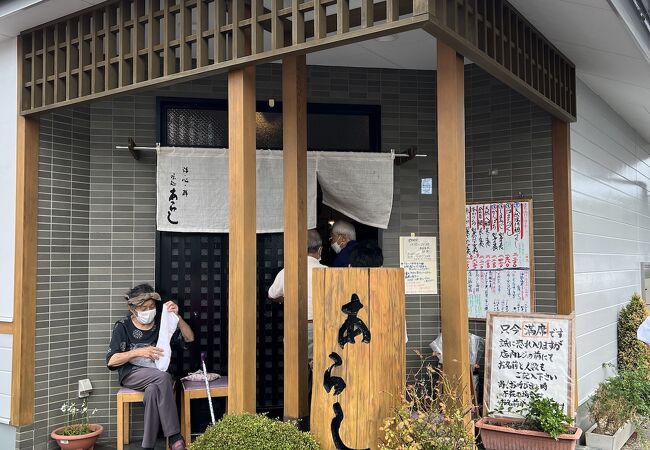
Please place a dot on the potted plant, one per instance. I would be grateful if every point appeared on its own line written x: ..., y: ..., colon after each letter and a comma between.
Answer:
x: 432, y: 415
x: 545, y: 426
x: 78, y: 433
x: 620, y: 404
x: 253, y: 431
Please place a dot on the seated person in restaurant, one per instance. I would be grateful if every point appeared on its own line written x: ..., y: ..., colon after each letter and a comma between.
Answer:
x: 133, y: 353
x: 276, y: 291
x: 342, y: 240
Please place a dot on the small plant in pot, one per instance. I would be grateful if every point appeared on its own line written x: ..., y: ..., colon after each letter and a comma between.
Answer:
x: 78, y: 433
x: 620, y: 404
x: 544, y: 426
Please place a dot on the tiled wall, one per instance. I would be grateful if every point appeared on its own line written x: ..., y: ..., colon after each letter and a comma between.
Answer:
x: 62, y: 313
x: 504, y: 131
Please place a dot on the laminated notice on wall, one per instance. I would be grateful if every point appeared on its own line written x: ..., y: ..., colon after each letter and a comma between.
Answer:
x: 417, y: 256
x: 524, y: 353
x: 499, y: 258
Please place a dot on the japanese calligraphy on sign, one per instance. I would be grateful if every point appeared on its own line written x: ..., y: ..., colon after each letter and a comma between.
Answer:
x: 525, y: 352
x: 417, y: 256
x: 499, y: 257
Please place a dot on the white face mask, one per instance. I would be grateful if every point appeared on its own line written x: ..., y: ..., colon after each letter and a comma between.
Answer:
x: 336, y: 247
x: 146, y: 317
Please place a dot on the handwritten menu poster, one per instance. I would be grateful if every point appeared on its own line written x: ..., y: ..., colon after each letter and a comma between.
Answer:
x: 525, y: 352
x: 499, y: 259
x: 417, y: 256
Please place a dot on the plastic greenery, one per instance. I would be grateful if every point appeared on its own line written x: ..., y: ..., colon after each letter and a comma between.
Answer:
x: 77, y: 419
x: 431, y: 416
x: 632, y: 353
x: 253, y: 431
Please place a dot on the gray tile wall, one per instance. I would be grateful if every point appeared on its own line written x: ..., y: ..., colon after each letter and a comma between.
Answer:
x: 62, y: 279
x: 504, y: 131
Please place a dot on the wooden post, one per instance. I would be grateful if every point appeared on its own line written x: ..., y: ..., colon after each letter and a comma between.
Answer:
x: 562, y: 210
x: 451, y: 199
x: 24, y: 343
x: 294, y: 117
x: 242, y: 241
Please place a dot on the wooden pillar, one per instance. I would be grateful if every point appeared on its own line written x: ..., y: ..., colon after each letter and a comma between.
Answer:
x: 22, y: 378
x: 451, y: 204
x: 242, y: 241
x: 563, y: 211
x: 294, y: 118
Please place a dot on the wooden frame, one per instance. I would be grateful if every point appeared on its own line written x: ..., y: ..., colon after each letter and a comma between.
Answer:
x: 24, y: 326
x: 123, y: 45
x: 533, y: 305
x: 572, y: 387
x: 563, y: 212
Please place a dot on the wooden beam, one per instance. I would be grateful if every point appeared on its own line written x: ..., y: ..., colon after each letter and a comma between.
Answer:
x: 562, y: 210
x: 6, y: 327
x: 294, y: 118
x: 24, y: 344
x: 451, y: 198
x: 242, y: 241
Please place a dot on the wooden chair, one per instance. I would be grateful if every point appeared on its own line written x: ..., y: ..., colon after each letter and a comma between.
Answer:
x: 125, y: 397
x: 196, y: 389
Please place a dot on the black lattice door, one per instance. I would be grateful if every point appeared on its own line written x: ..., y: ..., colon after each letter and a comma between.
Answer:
x: 193, y: 270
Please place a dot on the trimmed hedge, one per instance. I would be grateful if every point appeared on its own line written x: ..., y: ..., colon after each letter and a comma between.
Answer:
x: 632, y: 353
x: 253, y: 431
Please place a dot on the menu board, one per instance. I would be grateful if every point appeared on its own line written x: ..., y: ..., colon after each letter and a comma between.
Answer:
x: 417, y: 256
x: 527, y: 352
x: 499, y: 257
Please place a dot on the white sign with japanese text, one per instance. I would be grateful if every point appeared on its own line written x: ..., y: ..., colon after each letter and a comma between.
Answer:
x: 524, y: 353
x: 417, y: 256
x: 499, y: 257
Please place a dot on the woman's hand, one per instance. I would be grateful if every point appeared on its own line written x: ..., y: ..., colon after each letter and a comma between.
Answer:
x: 171, y: 307
x: 151, y: 352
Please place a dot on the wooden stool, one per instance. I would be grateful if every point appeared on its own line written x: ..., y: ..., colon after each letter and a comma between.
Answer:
x: 125, y: 397
x: 196, y: 389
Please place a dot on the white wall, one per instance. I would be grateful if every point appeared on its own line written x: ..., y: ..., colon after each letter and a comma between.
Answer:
x: 8, y: 111
x: 5, y: 377
x: 611, y: 228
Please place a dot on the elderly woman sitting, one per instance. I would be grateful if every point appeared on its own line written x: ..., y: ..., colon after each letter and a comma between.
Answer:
x: 133, y: 353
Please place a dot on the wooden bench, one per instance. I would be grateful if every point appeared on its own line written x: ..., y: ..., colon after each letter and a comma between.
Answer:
x: 125, y: 397
x: 196, y: 389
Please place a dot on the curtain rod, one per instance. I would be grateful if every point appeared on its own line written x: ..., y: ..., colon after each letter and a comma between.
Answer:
x: 133, y: 148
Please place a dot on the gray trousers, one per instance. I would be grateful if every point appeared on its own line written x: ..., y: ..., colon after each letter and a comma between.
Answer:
x: 159, y: 403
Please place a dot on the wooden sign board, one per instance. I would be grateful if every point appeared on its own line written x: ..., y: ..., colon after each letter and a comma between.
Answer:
x: 359, y: 354
x: 500, y: 272
x: 524, y: 352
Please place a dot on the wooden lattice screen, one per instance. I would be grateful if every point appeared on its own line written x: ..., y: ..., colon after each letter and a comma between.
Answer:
x: 496, y: 36
x: 123, y: 45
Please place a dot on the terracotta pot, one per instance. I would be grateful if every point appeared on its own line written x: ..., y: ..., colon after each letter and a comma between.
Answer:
x: 81, y: 442
x: 497, y: 437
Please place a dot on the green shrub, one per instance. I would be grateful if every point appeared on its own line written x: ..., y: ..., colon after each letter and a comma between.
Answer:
x: 621, y: 398
x: 609, y: 408
x: 547, y: 415
x: 253, y: 431
x: 632, y: 353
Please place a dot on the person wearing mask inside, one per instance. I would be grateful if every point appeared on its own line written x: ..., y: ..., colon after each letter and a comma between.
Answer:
x: 343, y: 239
x: 276, y: 291
x: 369, y: 254
x: 133, y: 353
